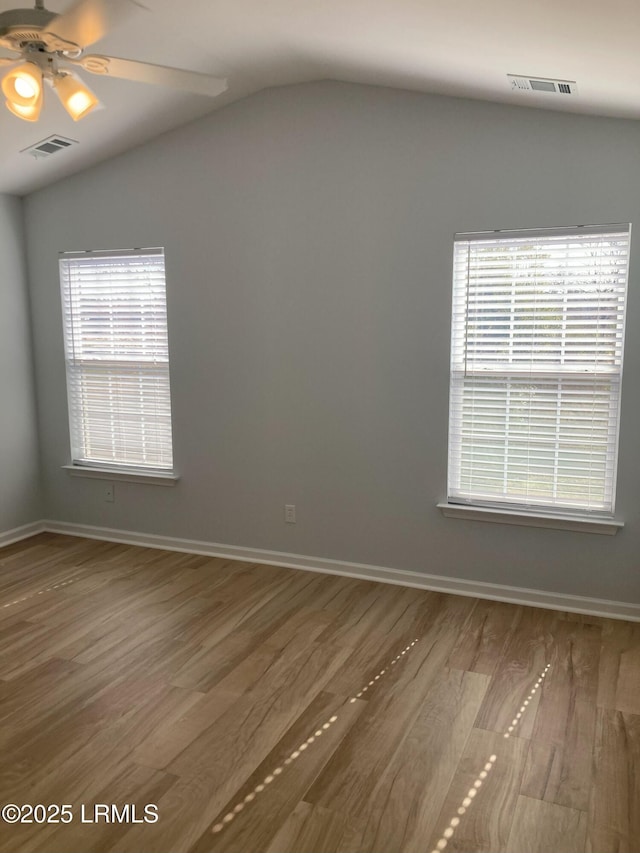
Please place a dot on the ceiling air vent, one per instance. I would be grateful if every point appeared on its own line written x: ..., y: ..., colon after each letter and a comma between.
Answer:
x: 519, y: 83
x: 47, y: 147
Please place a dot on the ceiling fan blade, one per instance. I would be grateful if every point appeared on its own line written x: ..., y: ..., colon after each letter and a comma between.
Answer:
x: 9, y: 60
x: 143, y: 72
x: 87, y: 21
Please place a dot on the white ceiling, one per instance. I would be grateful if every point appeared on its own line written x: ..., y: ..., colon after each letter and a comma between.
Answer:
x: 459, y: 47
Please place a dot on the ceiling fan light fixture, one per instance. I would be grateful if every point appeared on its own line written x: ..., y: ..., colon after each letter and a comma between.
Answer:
x: 77, y: 99
x: 22, y: 86
x: 26, y: 113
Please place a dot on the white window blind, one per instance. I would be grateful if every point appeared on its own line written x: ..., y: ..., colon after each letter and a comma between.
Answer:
x: 117, y: 358
x: 536, y: 367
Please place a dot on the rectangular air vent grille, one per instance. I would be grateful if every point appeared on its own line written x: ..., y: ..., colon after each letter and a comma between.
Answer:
x: 524, y: 83
x: 47, y: 147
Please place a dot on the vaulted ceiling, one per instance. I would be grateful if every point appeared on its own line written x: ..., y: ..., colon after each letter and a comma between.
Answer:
x: 462, y: 47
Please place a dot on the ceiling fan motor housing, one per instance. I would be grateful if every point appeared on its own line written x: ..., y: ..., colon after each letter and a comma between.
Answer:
x: 22, y: 27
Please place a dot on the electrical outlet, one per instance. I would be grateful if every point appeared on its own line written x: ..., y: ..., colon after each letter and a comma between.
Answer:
x: 109, y: 495
x: 290, y: 513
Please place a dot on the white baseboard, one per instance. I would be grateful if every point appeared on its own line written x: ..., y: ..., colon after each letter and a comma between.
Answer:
x: 18, y: 533
x: 436, y: 583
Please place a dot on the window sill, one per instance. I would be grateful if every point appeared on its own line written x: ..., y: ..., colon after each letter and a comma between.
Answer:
x: 577, y: 523
x: 152, y: 478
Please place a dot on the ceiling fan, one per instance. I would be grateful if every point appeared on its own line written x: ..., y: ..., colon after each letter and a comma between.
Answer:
x: 47, y: 47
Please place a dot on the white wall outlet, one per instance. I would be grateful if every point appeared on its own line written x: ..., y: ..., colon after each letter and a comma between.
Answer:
x: 290, y: 513
x: 109, y: 493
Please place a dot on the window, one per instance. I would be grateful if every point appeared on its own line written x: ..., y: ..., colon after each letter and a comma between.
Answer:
x: 117, y: 358
x: 536, y: 368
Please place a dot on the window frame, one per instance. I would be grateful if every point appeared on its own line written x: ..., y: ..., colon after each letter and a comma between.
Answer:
x: 539, y: 512
x: 98, y: 468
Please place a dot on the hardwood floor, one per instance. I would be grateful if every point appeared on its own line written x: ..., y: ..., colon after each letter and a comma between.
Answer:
x: 266, y: 709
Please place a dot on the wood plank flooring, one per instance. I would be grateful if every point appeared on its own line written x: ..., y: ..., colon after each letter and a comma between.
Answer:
x: 263, y: 709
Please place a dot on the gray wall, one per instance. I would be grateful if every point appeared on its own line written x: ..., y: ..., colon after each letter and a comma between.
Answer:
x: 308, y: 234
x: 19, y: 476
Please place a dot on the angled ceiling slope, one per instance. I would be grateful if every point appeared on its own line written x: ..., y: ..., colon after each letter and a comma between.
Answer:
x: 420, y: 45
